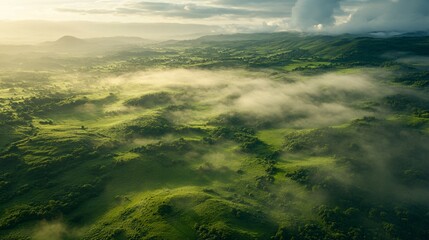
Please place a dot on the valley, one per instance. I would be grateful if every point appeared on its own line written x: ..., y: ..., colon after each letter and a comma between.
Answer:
x: 244, y: 136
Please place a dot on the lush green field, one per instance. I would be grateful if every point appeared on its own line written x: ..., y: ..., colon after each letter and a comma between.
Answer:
x: 262, y: 136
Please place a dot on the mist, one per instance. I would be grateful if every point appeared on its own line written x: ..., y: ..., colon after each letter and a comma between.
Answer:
x: 38, y: 31
x: 317, y: 101
x: 50, y: 230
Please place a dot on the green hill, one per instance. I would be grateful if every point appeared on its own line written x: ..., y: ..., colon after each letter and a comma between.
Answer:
x: 248, y: 136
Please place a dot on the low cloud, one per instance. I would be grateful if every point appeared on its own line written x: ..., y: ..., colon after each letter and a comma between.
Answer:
x: 318, y: 100
x: 50, y: 230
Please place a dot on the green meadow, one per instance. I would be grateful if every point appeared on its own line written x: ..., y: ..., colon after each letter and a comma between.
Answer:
x: 248, y: 136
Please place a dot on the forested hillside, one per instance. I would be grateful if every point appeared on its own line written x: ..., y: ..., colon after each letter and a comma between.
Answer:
x: 246, y: 136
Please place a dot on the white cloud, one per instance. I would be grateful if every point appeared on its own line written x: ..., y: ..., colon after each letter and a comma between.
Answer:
x: 388, y: 15
x: 310, y: 14
x: 336, y: 16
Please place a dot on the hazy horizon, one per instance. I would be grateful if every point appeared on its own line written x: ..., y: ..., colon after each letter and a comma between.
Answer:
x: 38, y: 31
x: 214, y: 119
x: 25, y: 22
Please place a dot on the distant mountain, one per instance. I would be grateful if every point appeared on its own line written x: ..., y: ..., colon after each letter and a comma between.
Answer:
x: 416, y: 34
x: 69, y: 41
x: 354, y: 48
x: 382, y: 34
x: 283, y: 48
x: 120, y: 40
x: 71, y: 44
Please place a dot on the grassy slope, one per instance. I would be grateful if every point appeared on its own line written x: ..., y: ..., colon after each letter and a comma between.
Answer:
x: 103, y: 188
